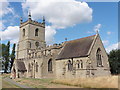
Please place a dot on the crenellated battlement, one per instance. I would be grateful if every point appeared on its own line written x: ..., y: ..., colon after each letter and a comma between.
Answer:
x: 32, y: 22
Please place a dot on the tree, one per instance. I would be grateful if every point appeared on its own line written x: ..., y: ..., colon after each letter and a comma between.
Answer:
x: 12, y: 56
x: 6, y: 55
x: 114, y: 60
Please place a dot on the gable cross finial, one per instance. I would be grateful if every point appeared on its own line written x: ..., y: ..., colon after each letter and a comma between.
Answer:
x: 43, y: 19
x: 97, y: 31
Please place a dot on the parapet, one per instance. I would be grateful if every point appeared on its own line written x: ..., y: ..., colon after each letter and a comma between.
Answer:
x: 32, y: 22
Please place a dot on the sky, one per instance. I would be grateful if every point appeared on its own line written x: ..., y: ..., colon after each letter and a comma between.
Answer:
x: 69, y: 19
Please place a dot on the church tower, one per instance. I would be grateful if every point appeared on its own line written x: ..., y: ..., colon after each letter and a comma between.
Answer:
x: 31, y: 36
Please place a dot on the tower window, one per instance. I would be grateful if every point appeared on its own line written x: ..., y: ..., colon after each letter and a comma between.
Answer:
x: 36, y: 32
x: 30, y: 44
x: 23, y: 32
x: 99, y: 57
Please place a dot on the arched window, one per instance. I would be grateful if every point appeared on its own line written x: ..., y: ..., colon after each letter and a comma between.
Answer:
x: 37, y: 44
x: 29, y: 67
x: 30, y: 44
x: 69, y: 65
x: 23, y: 32
x: 36, y: 32
x: 50, y: 65
x: 81, y: 63
x: 78, y: 64
x: 36, y: 67
x: 99, y: 57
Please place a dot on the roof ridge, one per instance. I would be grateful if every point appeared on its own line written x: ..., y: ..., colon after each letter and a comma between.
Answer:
x: 82, y: 38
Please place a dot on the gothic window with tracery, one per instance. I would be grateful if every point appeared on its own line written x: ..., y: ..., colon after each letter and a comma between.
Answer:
x: 99, y: 57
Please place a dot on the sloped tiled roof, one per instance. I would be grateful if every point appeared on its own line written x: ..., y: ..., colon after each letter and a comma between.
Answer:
x: 21, y: 66
x: 76, y: 48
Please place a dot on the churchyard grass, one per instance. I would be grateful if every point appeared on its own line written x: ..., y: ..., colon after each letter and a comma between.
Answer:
x: 96, y: 82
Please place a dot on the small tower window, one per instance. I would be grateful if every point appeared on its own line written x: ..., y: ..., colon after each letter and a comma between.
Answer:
x: 30, y: 44
x: 36, y: 32
x: 23, y: 32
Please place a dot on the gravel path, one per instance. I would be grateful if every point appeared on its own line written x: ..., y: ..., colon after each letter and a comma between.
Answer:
x: 15, y: 83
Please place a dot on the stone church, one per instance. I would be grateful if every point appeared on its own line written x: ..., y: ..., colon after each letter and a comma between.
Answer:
x: 84, y: 57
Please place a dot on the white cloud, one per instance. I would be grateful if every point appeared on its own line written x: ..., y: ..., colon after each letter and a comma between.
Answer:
x: 49, y: 34
x: 1, y: 25
x: 11, y: 33
x: 90, y: 32
x: 108, y: 32
x: 113, y: 47
x: 97, y: 27
x: 105, y: 42
x: 5, y: 8
x: 60, y: 14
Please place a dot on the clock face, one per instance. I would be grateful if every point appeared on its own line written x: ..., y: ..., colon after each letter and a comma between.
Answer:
x: 37, y: 44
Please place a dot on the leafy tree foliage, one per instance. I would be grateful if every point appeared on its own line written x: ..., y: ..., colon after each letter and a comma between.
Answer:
x: 12, y: 56
x: 114, y: 60
x: 6, y: 55
x: 7, y: 58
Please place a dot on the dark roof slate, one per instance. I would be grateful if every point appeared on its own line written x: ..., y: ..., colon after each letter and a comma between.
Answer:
x: 21, y: 66
x: 76, y: 48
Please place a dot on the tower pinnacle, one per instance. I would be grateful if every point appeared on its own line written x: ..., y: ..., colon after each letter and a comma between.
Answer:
x: 21, y: 20
x: 29, y: 15
x: 43, y: 20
